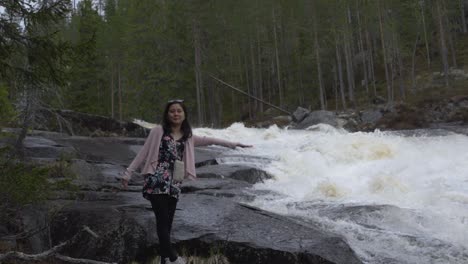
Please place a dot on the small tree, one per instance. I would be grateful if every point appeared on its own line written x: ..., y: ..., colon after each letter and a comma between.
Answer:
x: 32, y: 54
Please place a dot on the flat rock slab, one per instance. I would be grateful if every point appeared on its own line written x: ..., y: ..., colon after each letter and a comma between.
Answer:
x: 126, y: 229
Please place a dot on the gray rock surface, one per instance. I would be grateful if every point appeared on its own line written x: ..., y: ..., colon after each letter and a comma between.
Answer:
x: 126, y: 230
x: 371, y: 116
x: 318, y: 117
x: 238, y: 172
x: 212, y: 214
x: 300, y: 114
x: 77, y: 123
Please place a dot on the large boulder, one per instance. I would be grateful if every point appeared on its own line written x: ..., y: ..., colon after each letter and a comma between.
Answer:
x: 238, y: 172
x: 300, y: 114
x: 319, y: 117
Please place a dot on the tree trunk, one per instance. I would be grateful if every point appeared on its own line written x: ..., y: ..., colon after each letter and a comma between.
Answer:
x: 301, y: 82
x: 270, y: 82
x: 319, y: 66
x: 278, y: 70
x: 384, y: 54
x: 443, y: 45
x: 28, y: 116
x: 211, y: 115
x: 247, y: 82
x: 349, y: 72
x: 259, y: 62
x: 254, y: 77
x: 362, y: 50
x: 349, y: 59
x: 249, y: 95
x: 452, y: 50
x: 234, y: 105
x: 120, y: 93
x: 241, y: 79
x: 413, y: 64
x: 450, y: 37
x: 198, y: 74
x: 392, y: 74
x: 371, y: 61
x: 463, y: 18
x: 340, y: 73
x: 112, y: 93
x: 423, y: 16
x: 335, y: 85
x: 400, y: 67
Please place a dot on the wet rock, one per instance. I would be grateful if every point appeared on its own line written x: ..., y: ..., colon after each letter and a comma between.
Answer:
x: 238, y: 172
x: 206, y: 156
x: 318, y: 117
x: 76, y: 123
x: 280, y: 121
x: 213, y: 184
x: 371, y: 116
x: 300, y: 114
x: 46, y: 148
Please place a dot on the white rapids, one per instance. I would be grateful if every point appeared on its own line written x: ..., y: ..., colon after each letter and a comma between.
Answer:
x: 395, y: 198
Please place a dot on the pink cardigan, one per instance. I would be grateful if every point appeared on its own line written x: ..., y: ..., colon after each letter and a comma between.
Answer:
x: 148, y: 155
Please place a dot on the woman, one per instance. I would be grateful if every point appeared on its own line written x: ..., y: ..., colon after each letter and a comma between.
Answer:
x: 164, y: 147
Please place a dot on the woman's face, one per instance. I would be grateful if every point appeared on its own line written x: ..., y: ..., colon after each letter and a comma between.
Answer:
x: 176, y: 114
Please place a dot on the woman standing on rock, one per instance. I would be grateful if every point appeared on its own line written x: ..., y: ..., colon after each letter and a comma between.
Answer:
x: 165, y: 149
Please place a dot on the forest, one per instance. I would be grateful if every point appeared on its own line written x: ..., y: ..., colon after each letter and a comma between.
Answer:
x: 124, y: 59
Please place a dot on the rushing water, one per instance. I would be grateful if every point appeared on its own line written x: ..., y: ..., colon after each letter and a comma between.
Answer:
x: 396, y: 198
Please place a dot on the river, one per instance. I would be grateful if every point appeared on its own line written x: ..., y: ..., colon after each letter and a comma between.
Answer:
x: 397, y: 197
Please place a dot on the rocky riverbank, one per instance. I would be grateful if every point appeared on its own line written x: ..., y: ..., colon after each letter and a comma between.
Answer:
x: 382, y: 116
x: 212, y: 215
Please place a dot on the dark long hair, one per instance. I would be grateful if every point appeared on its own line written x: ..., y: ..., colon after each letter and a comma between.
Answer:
x: 185, y: 127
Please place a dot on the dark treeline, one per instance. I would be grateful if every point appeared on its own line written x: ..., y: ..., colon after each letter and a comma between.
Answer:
x: 126, y: 58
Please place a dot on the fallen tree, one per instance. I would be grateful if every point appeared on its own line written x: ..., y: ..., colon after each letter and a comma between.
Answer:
x: 53, y: 253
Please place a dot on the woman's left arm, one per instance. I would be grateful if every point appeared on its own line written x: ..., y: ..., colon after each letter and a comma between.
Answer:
x: 205, y: 141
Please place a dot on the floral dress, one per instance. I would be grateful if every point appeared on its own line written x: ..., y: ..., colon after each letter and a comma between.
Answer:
x: 161, y: 181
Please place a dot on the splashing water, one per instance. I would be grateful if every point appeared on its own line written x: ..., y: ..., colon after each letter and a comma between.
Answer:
x: 395, y: 198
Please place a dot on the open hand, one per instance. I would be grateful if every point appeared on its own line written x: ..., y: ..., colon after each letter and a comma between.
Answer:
x: 125, y: 179
x: 124, y: 183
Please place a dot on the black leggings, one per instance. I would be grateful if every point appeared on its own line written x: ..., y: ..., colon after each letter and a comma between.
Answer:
x: 164, y: 207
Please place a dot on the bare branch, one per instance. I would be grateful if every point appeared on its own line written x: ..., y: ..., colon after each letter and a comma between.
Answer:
x: 76, y: 260
x: 91, y: 232
x: 53, y: 252
x: 249, y: 95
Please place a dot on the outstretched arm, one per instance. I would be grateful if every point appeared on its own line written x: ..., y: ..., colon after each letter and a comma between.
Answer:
x: 205, y: 141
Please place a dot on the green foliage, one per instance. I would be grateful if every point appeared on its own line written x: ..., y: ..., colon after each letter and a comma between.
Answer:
x: 20, y: 183
x: 7, y: 113
x: 23, y: 183
x: 83, y: 93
